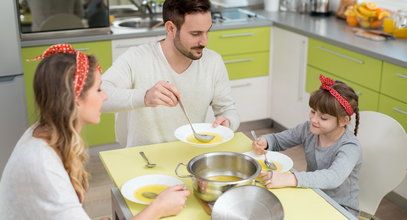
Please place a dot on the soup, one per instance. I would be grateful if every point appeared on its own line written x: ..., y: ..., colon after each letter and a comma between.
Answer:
x: 217, y: 138
x: 224, y: 178
x: 154, y: 188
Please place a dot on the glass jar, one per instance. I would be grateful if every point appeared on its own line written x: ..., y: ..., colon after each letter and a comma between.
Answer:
x: 400, y: 29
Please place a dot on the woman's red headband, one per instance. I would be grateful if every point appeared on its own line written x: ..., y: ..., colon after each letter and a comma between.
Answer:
x: 326, y: 84
x: 82, y: 64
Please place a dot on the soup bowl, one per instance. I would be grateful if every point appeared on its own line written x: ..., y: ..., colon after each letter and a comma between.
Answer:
x: 216, y: 172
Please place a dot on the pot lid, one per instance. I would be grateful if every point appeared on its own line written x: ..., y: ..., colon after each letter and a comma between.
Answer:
x: 248, y: 202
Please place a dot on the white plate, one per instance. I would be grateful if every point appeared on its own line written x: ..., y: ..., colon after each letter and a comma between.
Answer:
x: 132, y: 185
x: 183, y: 132
x: 280, y: 158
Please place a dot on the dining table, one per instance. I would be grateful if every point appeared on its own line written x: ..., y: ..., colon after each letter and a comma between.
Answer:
x: 126, y: 163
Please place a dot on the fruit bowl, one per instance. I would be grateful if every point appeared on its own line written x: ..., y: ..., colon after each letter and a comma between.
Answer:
x: 366, y: 15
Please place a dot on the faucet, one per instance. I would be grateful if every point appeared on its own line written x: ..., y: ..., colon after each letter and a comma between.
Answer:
x: 146, y: 6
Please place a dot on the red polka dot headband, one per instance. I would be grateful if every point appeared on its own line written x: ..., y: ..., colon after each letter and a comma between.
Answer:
x: 326, y: 84
x: 82, y: 64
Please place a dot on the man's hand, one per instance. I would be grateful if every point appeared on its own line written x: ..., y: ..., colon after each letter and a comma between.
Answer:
x: 162, y: 93
x: 221, y: 120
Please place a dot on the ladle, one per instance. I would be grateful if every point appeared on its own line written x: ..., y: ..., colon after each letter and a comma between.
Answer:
x: 200, y: 137
x: 149, y: 165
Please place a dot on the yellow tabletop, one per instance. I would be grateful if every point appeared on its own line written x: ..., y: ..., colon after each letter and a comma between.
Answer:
x: 125, y: 164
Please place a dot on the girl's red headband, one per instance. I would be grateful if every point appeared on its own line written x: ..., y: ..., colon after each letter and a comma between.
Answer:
x: 82, y: 64
x: 326, y: 84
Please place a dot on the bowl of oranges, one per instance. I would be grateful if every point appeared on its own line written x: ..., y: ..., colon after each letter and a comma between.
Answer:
x: 366, y: 15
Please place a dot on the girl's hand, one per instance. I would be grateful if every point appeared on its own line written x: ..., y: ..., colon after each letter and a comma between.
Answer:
x: 259, y: 146
x: 171, y: 201
x: 277, y: 179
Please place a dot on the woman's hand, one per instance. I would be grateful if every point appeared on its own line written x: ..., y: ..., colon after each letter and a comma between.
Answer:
x: 259, y: 146
x: 171, y: 201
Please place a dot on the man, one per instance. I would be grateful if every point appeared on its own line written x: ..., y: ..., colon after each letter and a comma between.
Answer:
x: 146, y: 80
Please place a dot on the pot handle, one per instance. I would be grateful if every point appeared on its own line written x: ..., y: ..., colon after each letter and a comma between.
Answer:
x: 176, y: 171
x: 267, y: 181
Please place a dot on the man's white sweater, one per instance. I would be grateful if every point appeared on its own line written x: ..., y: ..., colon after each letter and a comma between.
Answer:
x: 205, y: 83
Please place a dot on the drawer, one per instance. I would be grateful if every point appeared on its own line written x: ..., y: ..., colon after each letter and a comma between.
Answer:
x: 346, y: 64
x: 368, y: 99
x: 394, y: 81
x: 251, y: 96
x: 247, y: 65
x: 394, y: 109
x: 121, y: 45
x: 240, y: 41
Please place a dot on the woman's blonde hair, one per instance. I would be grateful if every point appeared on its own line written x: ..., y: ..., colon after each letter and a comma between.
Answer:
x: 58, y: 114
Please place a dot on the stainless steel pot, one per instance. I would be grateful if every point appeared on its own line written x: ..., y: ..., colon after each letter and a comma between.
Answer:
x: 205, y: 166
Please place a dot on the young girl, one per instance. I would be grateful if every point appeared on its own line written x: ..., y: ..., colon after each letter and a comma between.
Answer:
x: 333, y: 153
x: 45, y: 176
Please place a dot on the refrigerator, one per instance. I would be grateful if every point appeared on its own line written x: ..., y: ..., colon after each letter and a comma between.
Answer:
x: 13, y: 113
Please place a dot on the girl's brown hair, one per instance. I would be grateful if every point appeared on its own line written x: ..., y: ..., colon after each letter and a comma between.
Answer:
x: 323, y: 101
x: 58, y: 115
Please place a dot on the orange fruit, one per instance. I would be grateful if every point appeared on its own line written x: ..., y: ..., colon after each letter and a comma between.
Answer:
x: 376, y: 24
x: 352, y: 21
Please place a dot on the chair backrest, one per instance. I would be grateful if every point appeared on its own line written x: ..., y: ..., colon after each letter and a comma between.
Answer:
x: 384, y: 165
x: 61, y: 22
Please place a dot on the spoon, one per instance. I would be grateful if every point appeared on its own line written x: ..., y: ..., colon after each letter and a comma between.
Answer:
x: 200, y: 137
x: 268, y: 164
x: 150, y: 195
x: 149, y: 165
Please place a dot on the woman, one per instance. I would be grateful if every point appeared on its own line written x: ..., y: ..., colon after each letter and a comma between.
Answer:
x: 45, y: 176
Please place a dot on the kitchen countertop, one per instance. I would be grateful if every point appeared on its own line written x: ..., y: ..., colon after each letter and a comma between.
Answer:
x: 328, y: 29
x: 337, y: 32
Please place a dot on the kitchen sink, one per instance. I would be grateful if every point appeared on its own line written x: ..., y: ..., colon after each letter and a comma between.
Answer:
x: 139, y: 22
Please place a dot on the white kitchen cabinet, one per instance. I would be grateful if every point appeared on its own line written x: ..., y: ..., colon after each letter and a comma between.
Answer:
x: 252, y: 98
x: 289, y: 101
x: 121, y: 45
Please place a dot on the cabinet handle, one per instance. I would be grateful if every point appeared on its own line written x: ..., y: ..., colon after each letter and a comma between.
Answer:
x: 241, y: 85
x: 126, y: 45
x: 83, y: 49
x: 236, y: 35
x: 340, y: 55
x: 399, y: 110
x: 401, y: 75
x: 238, y: 61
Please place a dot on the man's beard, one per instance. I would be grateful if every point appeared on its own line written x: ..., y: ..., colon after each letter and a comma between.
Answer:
x: 178, y: 45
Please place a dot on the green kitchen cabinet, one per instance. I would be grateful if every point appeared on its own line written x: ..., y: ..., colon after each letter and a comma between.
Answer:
x: 355, y: 67
x: 393, y: 99
x: 394, y: 81
x: 368, y: 99
x: 381, y: 86
x: 245, y: 51
x: 101, y: 133
x: 394, y: 109
x: 240, y: 41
